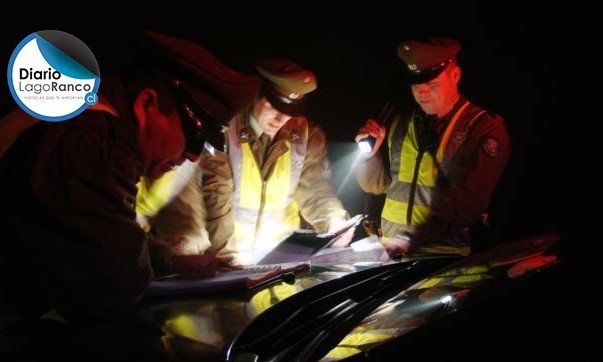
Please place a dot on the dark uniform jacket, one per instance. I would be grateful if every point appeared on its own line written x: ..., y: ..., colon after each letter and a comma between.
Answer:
x: 475, y: 156
x: 69, y: 240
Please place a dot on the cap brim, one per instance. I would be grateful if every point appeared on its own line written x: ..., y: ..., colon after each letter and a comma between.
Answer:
x: 213, y: 115
x: 423, y: 77
x: 292, y: 107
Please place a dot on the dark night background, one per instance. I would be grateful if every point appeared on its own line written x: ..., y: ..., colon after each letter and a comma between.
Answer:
x: 532, y: 66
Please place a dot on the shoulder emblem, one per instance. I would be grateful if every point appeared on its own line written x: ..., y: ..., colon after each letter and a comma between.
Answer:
x: 459, y: 137
x: 244, y: 135
x: 295, y: 137
x: 490, y: 146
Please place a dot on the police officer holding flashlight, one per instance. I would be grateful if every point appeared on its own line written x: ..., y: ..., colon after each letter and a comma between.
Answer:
x: 441, y: 160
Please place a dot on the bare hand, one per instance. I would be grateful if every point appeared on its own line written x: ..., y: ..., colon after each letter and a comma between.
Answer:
x: 396, y: 246
x: 196, y: 266
x: 372, y: 128
x: 344, y: 239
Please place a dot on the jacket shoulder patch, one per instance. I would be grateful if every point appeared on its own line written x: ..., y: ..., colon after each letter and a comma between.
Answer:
x: 490, y: 146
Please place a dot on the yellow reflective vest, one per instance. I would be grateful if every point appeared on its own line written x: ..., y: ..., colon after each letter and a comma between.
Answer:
x: 265, y: 210
x: 411, y: 193
x: 433, y: 197
x: 269, y: 200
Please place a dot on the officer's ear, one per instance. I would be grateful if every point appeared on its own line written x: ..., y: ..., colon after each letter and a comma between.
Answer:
x: 455, y: 73
x: 146, y: 106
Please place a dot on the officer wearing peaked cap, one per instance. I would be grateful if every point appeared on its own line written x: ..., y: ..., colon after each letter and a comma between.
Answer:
x: 425, y: 60
x: 286, y: 85
x: 276, y: 168
x: 68, y: 189
x: 447, y: 155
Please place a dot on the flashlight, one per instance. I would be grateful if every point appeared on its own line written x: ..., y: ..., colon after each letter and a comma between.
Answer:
x: 367, y: 143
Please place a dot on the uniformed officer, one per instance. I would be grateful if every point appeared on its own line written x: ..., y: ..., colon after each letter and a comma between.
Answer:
x: 443, y: 158
x: 71, y: 246
x: 276, y: 170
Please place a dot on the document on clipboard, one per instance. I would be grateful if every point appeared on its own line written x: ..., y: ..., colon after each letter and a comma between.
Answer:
x: 302, y: 244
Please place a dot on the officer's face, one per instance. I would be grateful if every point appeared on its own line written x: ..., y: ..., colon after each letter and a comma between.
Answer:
x: 439, y: 94
x: 268, y: 117
x: 160, y: 135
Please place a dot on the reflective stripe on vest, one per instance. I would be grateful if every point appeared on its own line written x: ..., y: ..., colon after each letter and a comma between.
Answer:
x: 155, y: 193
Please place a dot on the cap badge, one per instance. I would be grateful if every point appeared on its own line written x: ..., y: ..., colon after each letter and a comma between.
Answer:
x: 412, y: 67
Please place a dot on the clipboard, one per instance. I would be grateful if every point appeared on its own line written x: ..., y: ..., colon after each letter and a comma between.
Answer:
x: 302, y: 244
x: 228, y: 281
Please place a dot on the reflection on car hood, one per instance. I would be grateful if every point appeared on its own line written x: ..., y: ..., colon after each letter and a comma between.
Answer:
x: 353, y: 314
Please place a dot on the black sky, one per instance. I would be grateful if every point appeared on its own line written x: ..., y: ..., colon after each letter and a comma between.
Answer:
x: 532, y: 66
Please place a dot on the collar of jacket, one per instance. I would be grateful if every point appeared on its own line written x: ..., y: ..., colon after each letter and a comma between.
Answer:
x: 240, y: 123
x: 440, y: 124
x: 455, y: 108
x: 246, y: 134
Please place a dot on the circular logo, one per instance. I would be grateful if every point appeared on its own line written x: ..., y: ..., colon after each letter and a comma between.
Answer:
x: 53, y: 75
